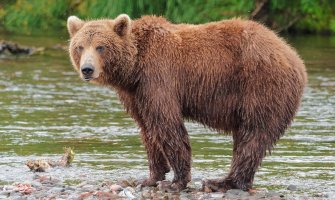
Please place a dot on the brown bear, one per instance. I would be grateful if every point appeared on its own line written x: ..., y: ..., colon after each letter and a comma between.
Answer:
x: 234, y: 76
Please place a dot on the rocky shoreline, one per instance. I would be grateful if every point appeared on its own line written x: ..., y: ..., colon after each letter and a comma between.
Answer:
x: 47, y: 187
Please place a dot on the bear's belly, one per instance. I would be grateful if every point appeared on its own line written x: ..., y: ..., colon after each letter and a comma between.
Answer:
x: 220, y: 113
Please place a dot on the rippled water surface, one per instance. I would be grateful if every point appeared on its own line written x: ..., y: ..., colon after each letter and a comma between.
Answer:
x: 44, y: 106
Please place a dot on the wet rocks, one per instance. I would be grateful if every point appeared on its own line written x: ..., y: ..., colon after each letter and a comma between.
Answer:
x: 46, y: 187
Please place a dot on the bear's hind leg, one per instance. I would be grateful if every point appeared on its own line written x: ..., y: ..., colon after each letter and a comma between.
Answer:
x: 158, y: 164
x: 249, y: 150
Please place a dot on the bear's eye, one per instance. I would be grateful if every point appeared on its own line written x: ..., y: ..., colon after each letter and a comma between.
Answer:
x: 100, y: 49
x: 79, y: 49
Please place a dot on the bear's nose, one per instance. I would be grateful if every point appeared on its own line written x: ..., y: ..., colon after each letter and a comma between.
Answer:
x: 87, y: 69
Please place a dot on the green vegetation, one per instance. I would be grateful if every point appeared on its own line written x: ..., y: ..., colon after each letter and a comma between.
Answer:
x: 311, y: 16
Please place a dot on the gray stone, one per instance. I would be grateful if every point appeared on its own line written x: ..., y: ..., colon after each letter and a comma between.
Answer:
x: 20, y: 198
x: 128, y: 193
x: 138, y: 188
x: 292, y: 187
x: 61, y: 198
x: 115, y: 188
x: 273, y: 194
x: 8, y: 187
x: 36, y: 184
x: 5, y: 193
x: 179, y: 196
x: 198, y: 184
x: 88, y: 188
x: 40, y: 195
x: 15, y: 195
x: 55, y: 190
x: 330, y: 195
x: 71, y: 188
x: 217, y: 195
x: 237, y: 192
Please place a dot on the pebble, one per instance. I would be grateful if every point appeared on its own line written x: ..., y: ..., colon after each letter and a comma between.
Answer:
x: 273, y: 194
x: 115, y: 188
x: 88, y: 188
x: 4, y: 194
x: 56, y: 190
x: 237, y: 192
x: 127, y: 193
x: 71, y: 188
x: 138, y: 188
x: 82, y: 184
x: 330, y: 195
x: 8, y: 187
x: 292, y: 187
x: 50, y: 188
x: 132, y: 190
x: 15, y: 195
x: 36, y: 184
x: 198, y: 185
x: 40, y: 195
x: 146, y: 193
x: 105, y: 195
x: 217, y: 195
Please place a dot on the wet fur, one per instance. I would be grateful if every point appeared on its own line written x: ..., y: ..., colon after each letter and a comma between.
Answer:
x: 233, y: 76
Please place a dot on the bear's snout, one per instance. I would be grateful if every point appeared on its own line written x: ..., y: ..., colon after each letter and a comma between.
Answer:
x: 87, y: 70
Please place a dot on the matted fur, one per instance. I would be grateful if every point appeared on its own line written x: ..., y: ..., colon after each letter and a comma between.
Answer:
x: 234, y: 76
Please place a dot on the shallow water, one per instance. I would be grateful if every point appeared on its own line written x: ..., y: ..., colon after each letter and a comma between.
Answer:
x: 44, y: 107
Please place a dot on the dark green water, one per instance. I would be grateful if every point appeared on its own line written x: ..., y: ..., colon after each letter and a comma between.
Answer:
x: 44, y: 106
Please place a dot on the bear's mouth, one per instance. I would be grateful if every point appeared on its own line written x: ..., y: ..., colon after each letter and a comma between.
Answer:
x: 87, y: 78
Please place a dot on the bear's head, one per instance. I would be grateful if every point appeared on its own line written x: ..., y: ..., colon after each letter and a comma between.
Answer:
x: 102, y: 51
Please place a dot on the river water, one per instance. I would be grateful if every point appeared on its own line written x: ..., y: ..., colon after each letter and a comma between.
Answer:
x: 44, y: 106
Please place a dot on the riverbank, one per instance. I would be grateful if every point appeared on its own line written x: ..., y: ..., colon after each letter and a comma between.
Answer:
x: 47, y: 187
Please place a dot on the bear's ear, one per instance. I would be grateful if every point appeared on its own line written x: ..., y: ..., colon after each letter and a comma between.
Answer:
x: 74, y: 24
x: 122, y: 25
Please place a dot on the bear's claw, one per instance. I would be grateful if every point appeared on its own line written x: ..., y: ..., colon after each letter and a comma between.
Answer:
x: 149, y: 182
x: 216, y: 185
x: 167, y: 186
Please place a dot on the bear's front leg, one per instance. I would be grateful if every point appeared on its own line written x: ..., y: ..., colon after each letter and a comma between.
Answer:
x: 166, y: 133
x: 158, y: 164
x: 174, y: 143
x: 168, y: 145
x: 177, y: 149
